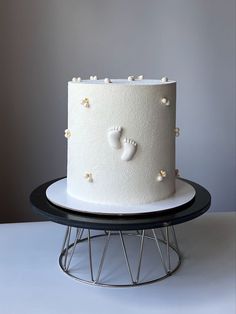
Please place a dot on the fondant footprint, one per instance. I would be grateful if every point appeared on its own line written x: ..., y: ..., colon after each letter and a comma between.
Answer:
x: 113, y: 136
x: 130, y: 147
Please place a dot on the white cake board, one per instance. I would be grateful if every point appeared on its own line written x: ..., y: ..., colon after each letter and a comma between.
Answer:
x: 57, y: 194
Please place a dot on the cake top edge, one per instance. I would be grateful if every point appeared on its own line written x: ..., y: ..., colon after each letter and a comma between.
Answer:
x: 129, y: 81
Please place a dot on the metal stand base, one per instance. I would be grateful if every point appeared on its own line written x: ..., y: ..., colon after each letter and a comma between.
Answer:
x: 135, y: 258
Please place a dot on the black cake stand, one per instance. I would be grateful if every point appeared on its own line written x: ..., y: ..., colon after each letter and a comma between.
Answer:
x: 87, y: 238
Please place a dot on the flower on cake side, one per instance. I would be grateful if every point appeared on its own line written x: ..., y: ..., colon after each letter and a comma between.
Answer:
x: 76, y: 79
x: 177, y: 132
x: 67, y: 133
x: 85, y: 102
x: 88, y: 176
x: 165, y: 101
x: 177, y: 174
x: 161, y: 175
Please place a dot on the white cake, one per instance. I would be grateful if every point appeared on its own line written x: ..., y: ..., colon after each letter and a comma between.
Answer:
x: 121, y: 140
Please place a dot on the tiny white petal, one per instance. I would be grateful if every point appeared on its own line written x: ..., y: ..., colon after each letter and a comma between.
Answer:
x: 159, y: 178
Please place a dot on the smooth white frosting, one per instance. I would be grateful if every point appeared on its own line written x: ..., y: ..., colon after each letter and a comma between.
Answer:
x: 124, y: 172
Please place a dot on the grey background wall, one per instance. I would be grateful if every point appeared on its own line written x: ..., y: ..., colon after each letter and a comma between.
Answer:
x: 45, y: 43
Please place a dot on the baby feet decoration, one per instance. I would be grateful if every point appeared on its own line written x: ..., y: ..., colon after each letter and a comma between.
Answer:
x: 130, y: 147
x: 114, y: 140
x: 113, y: 136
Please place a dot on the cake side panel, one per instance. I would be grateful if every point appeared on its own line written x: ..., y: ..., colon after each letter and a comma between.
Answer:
x: 120, y: 142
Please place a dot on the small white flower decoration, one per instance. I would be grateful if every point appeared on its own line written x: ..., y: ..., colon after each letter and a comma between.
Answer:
x: 76, y: 79
x: 165, y: 101
x: 131, y: 78
x: 88, y: 176
x: 85, y: 102
x: 107, y: 80
x: 177, y: 132
x: 164, y: 79
x: 161, y: 175
x: 67, y: 133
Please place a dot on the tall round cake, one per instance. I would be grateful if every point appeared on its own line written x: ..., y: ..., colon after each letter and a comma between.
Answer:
x: 121, y: 140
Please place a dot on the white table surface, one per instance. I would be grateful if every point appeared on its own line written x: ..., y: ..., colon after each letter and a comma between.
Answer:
x: 32, y: 282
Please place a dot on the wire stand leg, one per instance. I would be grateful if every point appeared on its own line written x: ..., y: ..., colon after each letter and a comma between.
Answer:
x: 103, y: 256
x: 140, y: 257
x: 67, y: 247
x: 175, y: 240
x: 163, y: 235
x: 78, y: 237
x: 90, y: 255
x: 168, y: 250
x: 126, y: 256
x: 159, y: 250
x: 65, y: 238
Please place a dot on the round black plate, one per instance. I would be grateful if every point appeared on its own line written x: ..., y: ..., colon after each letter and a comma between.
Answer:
x: 199, y: 205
